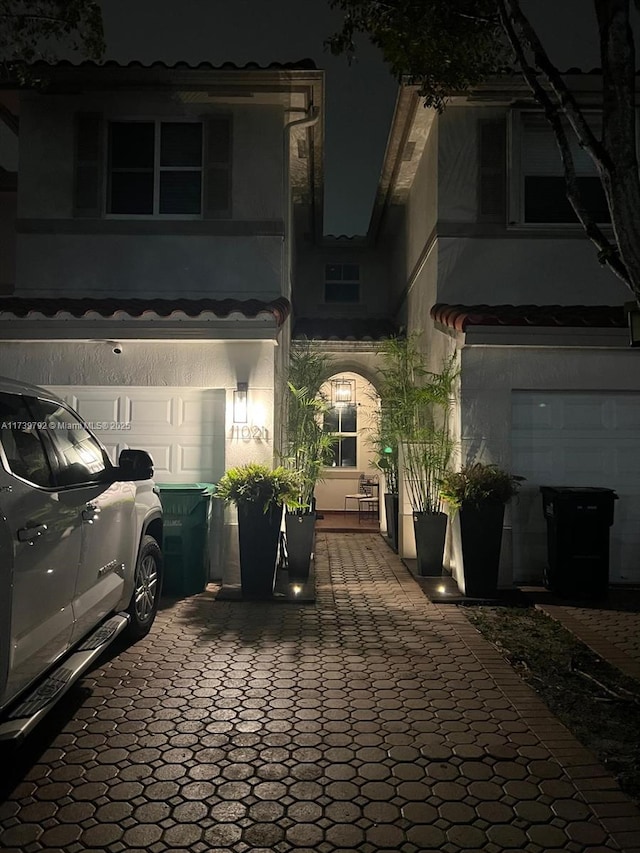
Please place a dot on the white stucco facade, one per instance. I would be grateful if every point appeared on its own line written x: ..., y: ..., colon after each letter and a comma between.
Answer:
x: 145, y: 385
x: 450, y: 245
x: 190, y: 304
x: 238, y: 256
x: 591, y: 442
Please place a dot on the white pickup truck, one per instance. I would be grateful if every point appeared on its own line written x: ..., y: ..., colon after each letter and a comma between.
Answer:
x: 80, y: 559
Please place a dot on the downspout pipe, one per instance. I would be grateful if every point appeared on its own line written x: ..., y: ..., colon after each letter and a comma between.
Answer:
x: 311, y: 118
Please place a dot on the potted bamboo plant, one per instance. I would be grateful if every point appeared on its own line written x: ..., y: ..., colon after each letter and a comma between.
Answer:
x: 259, y: 493
x: 422, y: 405
x: 307, y: 450
x: 477, y: 494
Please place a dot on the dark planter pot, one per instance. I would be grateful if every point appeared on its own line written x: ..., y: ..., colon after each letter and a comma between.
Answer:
x: 391, y: 508
x: 300, y: 530
x: 258, y: 533
x: 430, y: 529
x: 481, y: 538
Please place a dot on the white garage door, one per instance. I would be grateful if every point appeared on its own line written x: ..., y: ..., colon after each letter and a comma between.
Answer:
x: 182, y: 428
x: 576, y: 439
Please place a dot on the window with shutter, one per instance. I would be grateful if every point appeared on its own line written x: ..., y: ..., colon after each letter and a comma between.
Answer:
x: 87, y: 191
x: 542, y: 187
x: 155, y: 168
x: 217, y: 174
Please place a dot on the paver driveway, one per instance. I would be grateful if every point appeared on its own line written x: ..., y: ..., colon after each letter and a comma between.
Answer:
x: 373, y: 721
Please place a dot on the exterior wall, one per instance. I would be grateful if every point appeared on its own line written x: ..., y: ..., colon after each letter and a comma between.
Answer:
x: 392, y: 243
x: 7, y: 241
x: 310, y: 280
x: 407, y: 228
x: 423, y: 201
x: 421, y: 297
x: 145, y: 256
x: 215, y: 365
x: 405, y: 232
x: 281, y: 362
x: 524, y: 270
x: 154, y: 266
x: 458, y: 162
x: 490, y: 374
x: 47, y: 143
x: 493, y: 263
x: 148, y: 363
x: 470, y: 261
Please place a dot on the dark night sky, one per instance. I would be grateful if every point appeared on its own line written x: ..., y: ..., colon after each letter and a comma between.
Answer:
x: 359, y: 99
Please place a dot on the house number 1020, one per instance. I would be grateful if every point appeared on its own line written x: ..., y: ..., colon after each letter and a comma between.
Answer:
x: 249, y: 433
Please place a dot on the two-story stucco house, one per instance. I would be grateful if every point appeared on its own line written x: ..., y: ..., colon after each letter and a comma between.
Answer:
x: 163, y: 243
x: 147, y: 252
x: 486, y: 258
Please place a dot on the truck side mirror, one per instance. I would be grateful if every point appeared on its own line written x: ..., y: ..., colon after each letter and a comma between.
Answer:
x: 135, y: 465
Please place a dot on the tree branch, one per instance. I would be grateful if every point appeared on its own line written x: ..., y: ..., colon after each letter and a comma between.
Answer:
x: 621, y: 182
x: 607, y: 252
x: 32, y: 16
x: 565, y: 96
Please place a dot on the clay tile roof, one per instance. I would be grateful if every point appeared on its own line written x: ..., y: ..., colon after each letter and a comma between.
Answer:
x: 460, y: 317
x: 341, y: 329
x: 25, y: 307
x: 298, y: 65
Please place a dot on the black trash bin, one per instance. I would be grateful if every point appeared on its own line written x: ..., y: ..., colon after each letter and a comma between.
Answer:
x: 185, y: 542
x: 578, y: 522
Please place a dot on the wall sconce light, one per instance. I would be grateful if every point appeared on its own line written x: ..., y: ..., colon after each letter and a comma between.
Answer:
x: 240, y: 403
x: 343, y: 392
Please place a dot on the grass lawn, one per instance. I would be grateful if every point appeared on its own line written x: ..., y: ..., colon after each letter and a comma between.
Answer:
x: 599, y: 704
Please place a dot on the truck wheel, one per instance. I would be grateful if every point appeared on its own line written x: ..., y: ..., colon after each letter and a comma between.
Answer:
x: 147, y: 587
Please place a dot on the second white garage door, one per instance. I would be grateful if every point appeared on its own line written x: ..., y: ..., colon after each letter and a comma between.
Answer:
x: 182, y: 428
x: 576, y: 439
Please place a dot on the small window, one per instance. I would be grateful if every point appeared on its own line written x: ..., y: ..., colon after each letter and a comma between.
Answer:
x: 21, y: 442
x: 155, y: 168
x: 342, y: 422
x: 79, y: 455
x: 342, y: 283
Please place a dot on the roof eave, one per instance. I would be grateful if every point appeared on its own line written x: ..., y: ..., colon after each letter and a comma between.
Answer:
x: 541, y: 336
x: 161, y: 329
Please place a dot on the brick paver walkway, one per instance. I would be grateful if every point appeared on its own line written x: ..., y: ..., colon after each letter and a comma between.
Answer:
x: 374, y: 721
x: 613, y: 634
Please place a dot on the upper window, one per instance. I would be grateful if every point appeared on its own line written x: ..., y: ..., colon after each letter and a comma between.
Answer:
x: 541, y: 194
x: 155, y: 168
x: 342, y: 283
x: 171, y: 169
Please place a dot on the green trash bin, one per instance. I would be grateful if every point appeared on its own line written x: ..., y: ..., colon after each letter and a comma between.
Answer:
x: 185, y: 543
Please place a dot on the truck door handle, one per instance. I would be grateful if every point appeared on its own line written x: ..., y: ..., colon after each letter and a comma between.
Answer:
x: 30, y: 534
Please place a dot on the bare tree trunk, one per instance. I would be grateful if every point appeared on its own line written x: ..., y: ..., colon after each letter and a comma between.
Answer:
x: 619, y: 174
x: 620, y: 177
